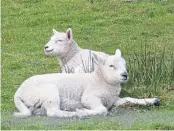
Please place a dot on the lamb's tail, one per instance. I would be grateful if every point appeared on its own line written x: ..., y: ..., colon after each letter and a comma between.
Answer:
x: 23, y: 109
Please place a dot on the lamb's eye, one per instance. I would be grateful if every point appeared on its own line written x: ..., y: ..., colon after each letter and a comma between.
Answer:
x: 111, y: 66
x: 59, y: 41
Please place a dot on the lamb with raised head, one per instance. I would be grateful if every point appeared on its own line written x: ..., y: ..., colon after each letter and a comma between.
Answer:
x: 72, y: 58
x: 78, y: 94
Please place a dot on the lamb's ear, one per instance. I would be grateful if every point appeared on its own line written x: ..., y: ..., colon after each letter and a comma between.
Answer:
x: 55, y: 31
x: 69, y: 33
x: 118, y: 52
x: 99, y: 58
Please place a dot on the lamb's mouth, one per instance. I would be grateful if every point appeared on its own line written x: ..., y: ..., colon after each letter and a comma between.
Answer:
x: 49, y: 50
x: 124, y: 79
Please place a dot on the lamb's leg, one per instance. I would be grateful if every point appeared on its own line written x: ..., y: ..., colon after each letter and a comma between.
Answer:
x: 145, y: 101
x: 94, y: 107
x: 101, y: 110
x: 52, y: 107
x: 22, y: 108
x: 59, y: 113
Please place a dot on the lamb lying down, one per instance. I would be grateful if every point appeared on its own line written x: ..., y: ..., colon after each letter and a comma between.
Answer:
x: 72, y: 58
x: 79, y: 94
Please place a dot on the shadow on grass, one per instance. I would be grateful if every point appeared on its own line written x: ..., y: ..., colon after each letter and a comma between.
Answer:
x: 126, y: 117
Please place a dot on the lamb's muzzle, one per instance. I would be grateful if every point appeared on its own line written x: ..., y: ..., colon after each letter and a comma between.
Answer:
x: 46, y: 47
x: 125, y: 75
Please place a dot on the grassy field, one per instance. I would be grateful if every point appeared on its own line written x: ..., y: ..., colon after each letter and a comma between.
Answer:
x: 143, y: 30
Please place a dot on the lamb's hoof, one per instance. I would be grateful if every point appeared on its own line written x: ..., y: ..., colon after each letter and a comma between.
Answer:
x: 157, y: 102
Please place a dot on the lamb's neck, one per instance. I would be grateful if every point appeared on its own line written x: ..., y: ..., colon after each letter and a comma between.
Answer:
x: 99, y: 78
x: 74, y: 49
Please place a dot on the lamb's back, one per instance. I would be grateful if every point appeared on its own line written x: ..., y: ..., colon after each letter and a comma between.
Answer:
x: 65, y: 82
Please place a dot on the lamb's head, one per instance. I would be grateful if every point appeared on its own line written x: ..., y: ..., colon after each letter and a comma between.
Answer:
x: 59, y: 44
x: 113, y: 68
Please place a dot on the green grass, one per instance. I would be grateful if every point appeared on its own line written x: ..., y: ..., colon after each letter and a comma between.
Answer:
x: 143, y: 30
x: 119, y: 118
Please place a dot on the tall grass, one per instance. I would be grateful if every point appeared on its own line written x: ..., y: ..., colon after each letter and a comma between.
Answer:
x: 149, y: 71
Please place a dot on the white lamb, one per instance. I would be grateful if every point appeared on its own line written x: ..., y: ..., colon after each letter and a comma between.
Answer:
x: 79, y: 94
x: 72, y: 58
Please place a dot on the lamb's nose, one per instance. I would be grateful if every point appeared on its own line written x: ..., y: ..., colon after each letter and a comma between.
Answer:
x: 46, y: 47
x: 125, y: 75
